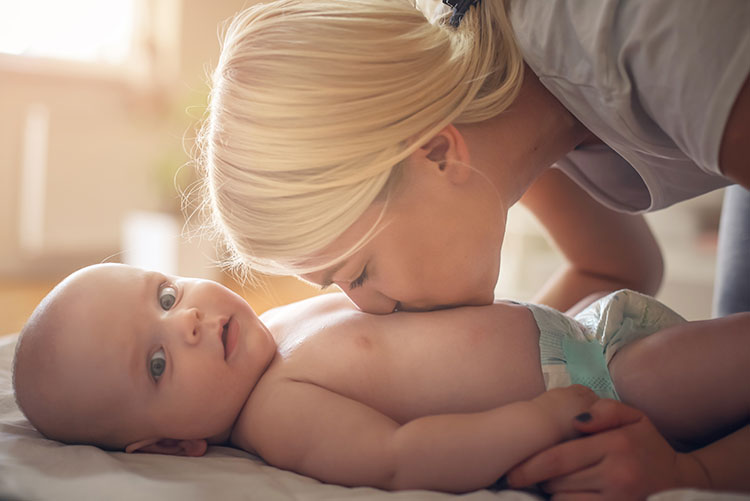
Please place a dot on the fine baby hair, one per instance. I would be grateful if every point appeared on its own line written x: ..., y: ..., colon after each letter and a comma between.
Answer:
x: 315, y: 104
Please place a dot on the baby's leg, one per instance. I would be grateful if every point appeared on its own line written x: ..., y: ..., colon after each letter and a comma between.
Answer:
x: 690, y: 379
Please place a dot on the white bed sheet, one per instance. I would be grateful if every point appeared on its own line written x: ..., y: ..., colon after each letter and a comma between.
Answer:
x: 33, y: 468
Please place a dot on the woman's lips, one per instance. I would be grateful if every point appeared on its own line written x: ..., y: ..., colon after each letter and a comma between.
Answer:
x: 229, y: 336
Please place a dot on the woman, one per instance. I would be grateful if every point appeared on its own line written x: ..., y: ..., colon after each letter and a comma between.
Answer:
x: 352, y: 142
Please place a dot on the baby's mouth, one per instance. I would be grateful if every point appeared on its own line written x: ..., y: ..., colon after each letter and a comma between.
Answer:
x: 224, y: 330
x: 230, y: 333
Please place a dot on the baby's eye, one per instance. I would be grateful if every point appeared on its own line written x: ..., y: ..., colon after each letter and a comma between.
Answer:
x: 167, y: 297
x: 157, y: 364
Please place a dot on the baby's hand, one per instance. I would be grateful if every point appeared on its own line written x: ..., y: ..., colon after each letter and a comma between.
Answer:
x: 563, y: 404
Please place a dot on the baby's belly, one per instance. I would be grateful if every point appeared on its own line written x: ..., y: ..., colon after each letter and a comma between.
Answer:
x: 447, y: 385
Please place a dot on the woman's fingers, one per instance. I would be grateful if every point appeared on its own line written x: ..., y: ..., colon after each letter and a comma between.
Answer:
x: 607, y: 414
x: 569, y: 457
x: 558, y: 461
x: 578, y: 496
x: 587, y: 479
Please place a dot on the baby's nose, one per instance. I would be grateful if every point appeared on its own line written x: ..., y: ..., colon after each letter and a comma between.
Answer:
x: 191, y: 324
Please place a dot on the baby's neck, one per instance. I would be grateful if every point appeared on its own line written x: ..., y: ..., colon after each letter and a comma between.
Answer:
x: 225, y: 437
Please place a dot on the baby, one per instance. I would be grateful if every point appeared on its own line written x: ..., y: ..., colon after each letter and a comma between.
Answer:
x: 134, y: 360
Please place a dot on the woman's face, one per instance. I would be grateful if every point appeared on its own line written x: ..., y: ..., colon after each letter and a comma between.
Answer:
x: 438, y: 245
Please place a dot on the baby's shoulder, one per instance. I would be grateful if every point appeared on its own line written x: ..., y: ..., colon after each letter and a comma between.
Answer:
x: 274, y: 414
x: 316, y: 305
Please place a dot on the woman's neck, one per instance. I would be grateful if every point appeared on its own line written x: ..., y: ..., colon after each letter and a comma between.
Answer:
x: 514, y: 148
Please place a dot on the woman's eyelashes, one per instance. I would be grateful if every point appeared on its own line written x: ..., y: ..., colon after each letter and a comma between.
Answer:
x: 357, y: 282
x: 167, y: 297
x: 157, y: 364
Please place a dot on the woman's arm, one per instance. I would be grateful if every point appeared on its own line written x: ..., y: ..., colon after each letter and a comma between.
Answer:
x: 734, y: 155
x: 605, y: 250
x: 308, y: 429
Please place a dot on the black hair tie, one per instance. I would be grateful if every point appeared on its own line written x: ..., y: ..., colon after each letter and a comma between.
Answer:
x: 460, y: 8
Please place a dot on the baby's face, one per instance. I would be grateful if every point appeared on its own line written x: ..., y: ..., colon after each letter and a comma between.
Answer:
x: 182, y: 355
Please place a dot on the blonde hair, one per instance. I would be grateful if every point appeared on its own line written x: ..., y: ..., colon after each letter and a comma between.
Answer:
x: 315, y: 104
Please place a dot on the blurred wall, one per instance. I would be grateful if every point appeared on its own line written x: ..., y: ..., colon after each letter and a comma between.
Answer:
x: 113, y: 139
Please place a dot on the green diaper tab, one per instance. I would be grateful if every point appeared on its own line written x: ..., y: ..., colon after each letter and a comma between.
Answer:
x: 586, y: 365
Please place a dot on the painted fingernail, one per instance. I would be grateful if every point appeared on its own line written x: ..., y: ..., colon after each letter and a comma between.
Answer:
x: 584, y: 417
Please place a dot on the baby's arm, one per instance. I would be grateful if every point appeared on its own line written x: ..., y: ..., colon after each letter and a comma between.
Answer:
x: 309, y: 429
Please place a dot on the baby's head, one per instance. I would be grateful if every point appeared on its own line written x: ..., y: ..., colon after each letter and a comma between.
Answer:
x: 125, y: 358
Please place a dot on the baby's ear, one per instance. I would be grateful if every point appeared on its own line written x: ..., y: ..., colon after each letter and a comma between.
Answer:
x: 195, y: 447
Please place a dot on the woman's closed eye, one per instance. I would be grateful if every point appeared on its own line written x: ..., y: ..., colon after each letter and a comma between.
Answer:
x: 157, y: 364
x: 357, y: 282
x: 167, y: 297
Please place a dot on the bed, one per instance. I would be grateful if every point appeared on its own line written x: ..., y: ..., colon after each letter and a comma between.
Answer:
x: 34, y: 468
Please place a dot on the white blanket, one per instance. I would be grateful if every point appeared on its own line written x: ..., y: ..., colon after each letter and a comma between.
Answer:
x: 34, y: 468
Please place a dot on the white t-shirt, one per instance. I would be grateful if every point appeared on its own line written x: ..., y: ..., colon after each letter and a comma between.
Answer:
x: 654, y: 79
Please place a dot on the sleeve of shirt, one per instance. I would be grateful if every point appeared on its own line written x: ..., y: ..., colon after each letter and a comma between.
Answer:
x: 688, y: 61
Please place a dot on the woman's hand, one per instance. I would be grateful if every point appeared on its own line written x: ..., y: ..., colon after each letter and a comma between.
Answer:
x: 624, y: 457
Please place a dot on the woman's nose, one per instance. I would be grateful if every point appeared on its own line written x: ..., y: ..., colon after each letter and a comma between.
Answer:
x: 370, y: 300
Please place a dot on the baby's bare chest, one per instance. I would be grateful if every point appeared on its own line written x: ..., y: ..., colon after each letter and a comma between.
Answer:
x: 414, y: 367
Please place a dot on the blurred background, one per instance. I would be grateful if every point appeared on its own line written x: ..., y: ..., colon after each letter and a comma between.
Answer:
x: 100, y: 102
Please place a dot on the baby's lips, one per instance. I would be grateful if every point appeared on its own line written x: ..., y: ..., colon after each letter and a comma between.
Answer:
x: 230, y: 337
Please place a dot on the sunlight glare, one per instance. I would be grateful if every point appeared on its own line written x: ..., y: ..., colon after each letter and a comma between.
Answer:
x: 81, y: 30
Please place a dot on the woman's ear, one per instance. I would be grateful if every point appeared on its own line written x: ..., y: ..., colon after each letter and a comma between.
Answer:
x: 195, y: 447
x: 447, y: 150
